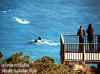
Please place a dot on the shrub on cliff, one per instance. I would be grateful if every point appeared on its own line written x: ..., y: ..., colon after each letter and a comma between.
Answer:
x: 17, y: 58
x: 1, y: 54
x: 44, y: 63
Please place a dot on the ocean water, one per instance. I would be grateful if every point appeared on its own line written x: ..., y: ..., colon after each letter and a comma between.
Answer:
x: 22, y: 21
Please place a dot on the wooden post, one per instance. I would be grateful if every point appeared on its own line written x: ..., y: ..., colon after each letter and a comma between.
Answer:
x: 98, y: 68
x: 83, y: 45
x: 98, y: 51
x: 62, y: 51
x: 98, y: 42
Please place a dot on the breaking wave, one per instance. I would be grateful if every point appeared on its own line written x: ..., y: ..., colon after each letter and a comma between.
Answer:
x: 22, y: 21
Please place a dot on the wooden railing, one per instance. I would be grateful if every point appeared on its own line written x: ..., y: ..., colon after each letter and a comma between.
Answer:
x: 75, y: 38
x: 71, y: 49
x: 77, y: 47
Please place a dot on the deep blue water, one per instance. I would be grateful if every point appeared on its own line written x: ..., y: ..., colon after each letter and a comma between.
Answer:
x: 24, y: 20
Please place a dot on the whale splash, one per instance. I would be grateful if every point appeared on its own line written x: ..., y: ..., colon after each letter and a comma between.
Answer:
x: 44, y: 41
x: 22, y: 21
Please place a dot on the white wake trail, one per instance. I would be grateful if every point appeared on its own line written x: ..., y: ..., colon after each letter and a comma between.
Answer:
x: 44, y: 41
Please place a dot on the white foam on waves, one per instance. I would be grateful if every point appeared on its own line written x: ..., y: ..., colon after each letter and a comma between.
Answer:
x: 22, y: 21
x: 4, y: 11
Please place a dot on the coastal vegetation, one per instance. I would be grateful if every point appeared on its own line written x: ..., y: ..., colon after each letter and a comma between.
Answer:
x: 16, y: 58
x: 1, y: 54
x: 46, y: 65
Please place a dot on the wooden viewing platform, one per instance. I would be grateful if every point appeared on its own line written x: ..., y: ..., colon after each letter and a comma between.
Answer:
x: 70, y: 50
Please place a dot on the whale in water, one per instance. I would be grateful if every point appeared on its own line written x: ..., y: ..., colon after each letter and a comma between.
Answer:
x: 37, y: 40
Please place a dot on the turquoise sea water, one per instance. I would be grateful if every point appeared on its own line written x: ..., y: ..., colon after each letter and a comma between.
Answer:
x: 22, y: 21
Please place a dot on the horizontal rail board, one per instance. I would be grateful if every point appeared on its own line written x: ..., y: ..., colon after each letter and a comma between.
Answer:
x: 87, y: 62
x: 76, y: 35
x: 80, y: 51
